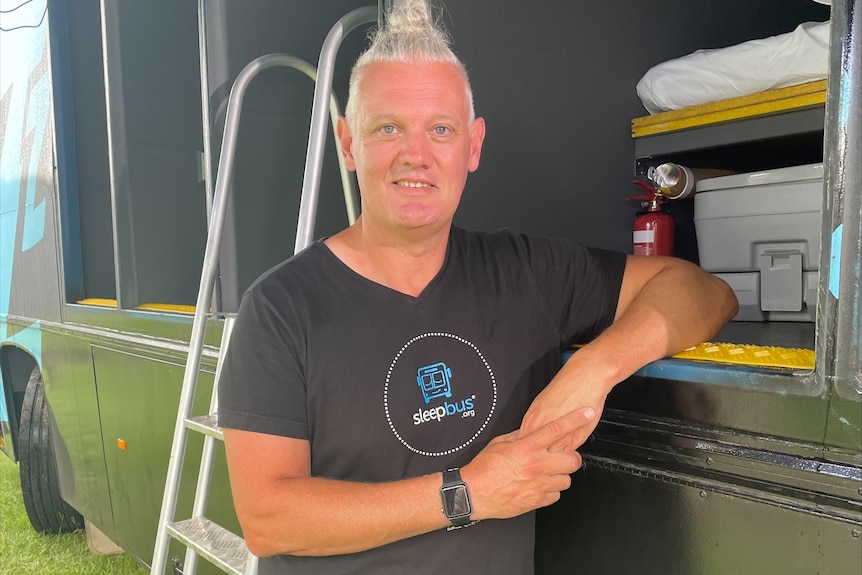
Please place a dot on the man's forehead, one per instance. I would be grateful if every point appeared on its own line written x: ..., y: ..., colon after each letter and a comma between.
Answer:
x: 386, y: 85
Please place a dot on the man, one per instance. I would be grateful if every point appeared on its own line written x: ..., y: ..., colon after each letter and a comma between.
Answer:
x: 404, y: 365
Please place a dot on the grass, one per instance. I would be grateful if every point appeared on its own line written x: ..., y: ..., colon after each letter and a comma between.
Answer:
x: 25, y: 552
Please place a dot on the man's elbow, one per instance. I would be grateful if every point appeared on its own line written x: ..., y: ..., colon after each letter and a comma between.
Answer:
x: 266, y: 540
x: 259, y: 540
x: 727, y: 303
x: 261, y: 543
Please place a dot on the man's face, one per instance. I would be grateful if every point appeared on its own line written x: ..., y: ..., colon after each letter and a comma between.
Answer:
x: 413, y: 146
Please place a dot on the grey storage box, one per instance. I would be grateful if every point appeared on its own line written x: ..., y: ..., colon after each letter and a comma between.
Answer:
x: 760, y: 232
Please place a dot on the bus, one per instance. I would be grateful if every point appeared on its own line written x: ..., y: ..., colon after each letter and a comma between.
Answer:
x: 742, y: 456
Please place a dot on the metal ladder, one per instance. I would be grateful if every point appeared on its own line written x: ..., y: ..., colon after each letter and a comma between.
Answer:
x: 201, y: 536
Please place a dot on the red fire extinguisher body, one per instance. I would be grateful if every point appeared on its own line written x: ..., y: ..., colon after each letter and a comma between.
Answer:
x: 653, y: 231
x: 653, y: 234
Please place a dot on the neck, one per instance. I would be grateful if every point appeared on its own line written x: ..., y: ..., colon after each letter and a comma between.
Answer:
x: 405, y: 262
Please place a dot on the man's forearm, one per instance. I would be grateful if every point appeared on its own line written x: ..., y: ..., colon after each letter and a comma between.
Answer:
x: 665, y: 306
x: 330, y: 517
x: 677, y: 308
x: 284, y: 511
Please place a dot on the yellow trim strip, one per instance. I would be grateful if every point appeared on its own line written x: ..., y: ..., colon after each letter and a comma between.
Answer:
x: 176, y: 307
x: 751, y: 355
x: 801, y: 96
x: 103, y: 302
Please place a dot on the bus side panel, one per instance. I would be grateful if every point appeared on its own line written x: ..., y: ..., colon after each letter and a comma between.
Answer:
x: 71, y: 392
x: 138, y: 397
x: 844, y: 429
x: 616, y: 520
x: 29, y: 277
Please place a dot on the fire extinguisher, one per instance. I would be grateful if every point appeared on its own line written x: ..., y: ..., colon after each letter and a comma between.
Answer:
x: 652, y: 231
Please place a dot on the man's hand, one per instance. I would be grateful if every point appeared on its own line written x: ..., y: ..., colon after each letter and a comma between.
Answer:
x: 282, y: 509
x: 560, y: 398
x: 518, y: 472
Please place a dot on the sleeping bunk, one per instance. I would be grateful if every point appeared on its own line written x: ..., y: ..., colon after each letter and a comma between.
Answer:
x: 758, y: 228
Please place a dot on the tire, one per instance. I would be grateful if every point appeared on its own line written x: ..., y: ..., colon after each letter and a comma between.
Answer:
x: 40, y: 485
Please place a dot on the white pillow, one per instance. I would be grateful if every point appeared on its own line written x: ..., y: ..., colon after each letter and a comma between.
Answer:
x: 709, y: 75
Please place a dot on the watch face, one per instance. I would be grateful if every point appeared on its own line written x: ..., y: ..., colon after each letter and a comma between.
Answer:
x: 456, y: 503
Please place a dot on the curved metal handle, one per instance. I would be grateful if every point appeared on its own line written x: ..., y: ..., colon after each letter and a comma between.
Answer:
x: 317, y: 133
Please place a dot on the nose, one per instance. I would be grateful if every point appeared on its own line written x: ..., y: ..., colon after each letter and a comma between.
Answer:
x: 416, y: 150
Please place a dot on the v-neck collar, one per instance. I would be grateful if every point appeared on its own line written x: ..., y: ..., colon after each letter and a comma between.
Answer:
x: 352, y: 275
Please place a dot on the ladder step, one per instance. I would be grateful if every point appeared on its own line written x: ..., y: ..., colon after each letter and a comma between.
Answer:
x: 221, y: 547
x: 206, y: 424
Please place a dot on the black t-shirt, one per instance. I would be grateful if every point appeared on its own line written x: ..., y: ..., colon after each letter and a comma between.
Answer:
x: 387, y: 386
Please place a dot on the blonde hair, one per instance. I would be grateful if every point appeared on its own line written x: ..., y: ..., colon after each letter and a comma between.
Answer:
x: 410, y: 35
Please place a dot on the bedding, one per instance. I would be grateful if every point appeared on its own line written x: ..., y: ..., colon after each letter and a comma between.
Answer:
x: 764, y: 64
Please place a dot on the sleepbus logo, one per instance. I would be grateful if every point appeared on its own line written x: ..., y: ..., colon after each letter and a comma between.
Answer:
x: 435, y: 381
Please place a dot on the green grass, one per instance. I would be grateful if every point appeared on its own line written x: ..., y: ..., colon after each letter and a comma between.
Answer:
x: 25, y: 552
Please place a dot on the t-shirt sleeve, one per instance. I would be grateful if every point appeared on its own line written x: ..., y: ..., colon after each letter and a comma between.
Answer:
x: 262, y: 384
x: 579, y: 284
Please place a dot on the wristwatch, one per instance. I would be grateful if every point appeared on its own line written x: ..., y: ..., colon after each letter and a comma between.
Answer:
x: 455, y: 498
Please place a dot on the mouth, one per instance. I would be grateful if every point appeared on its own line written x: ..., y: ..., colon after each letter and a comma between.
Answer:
x: 412, y: 184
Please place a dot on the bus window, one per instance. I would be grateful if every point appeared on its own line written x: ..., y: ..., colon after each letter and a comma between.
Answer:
x: 82, y: 154
x: 152, y: 79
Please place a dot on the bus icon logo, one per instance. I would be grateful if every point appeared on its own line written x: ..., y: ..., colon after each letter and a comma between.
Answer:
x: 433, y: 380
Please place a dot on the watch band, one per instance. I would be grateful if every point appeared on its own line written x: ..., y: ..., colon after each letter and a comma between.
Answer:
x: 452, y: 476
x: 455, y: 498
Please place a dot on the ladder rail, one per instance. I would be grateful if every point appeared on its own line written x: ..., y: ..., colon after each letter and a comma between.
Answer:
x: 202, y: 490
x: 205, y: 291
x: 196, y: 340
x: 317, y: 132
x: 308, y: 204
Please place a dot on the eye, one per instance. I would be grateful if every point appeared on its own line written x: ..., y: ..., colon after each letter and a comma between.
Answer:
x: 387, y: 129
x: 441, y: 130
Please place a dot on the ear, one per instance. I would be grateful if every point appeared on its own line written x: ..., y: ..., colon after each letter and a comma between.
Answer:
x: 345, y: 138
x: 477, y: 136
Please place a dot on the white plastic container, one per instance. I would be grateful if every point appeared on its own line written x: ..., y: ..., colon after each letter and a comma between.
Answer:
x: 760, y: 232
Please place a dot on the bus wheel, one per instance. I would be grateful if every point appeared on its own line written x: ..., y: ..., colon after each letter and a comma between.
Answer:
x: 40, y: 485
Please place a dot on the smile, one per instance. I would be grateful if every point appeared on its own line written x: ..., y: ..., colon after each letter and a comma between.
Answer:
x: 413, y: 184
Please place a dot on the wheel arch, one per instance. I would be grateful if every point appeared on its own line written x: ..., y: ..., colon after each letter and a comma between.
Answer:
x: 16, y: 365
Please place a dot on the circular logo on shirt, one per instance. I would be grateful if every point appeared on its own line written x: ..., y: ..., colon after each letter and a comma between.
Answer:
x: 440, y: 394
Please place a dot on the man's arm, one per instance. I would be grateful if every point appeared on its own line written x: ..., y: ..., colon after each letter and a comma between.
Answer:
x: 665, y: 305
x: 283, y: 510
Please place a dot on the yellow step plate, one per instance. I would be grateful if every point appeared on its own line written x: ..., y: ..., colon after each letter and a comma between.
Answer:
x: 751, y: 355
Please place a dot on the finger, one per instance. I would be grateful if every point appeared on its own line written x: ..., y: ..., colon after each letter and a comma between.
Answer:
x: 565, y: 444
x: 557, y: 429
x: 580, y: 461
x: 562, y: 464
x: 570, y: 442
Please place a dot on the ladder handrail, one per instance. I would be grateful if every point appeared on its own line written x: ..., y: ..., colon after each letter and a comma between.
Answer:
x: 317, y: 133
x: 205, y: 290
x: 208, y: 275
x: 308, y: 204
